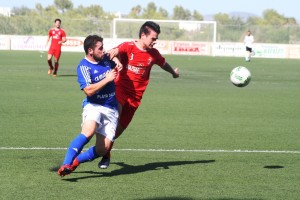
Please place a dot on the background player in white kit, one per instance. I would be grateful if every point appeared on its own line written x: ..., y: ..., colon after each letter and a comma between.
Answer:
x: 248, y: 41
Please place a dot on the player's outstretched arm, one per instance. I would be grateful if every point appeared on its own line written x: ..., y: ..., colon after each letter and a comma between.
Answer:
x: 168, y: 68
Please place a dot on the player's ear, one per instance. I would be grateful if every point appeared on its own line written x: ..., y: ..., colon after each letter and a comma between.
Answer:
x: 90, y: 51
x: 143, y: 35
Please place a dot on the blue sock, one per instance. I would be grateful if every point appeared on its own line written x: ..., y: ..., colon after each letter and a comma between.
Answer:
x: 89, y: 155
x: 75, y: 148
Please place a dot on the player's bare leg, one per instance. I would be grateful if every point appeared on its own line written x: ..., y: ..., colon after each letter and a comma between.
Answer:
x: 105, y: 161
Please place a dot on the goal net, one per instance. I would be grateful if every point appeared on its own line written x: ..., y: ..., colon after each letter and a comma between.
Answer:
x: 171, y: 30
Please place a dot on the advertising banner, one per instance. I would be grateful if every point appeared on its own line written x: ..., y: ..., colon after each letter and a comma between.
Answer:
x: 271, y: 50
x: 294, y: 51
x: 73, y: 44
x: 28, y: 43
x: 4, y: 42
x: 191, y: 48
x: 230, y: 49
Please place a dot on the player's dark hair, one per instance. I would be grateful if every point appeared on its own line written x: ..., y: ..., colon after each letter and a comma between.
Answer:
x: 145, y: 28
x: 90, y: 42
x: 57, y: 20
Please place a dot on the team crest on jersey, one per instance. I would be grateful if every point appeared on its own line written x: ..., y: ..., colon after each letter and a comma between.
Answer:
x: 56, y: 32
x: 95, y: 71
x: 149, y: 60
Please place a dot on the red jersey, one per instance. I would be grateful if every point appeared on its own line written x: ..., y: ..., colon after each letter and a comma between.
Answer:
x: 137, y: 63
x: 57, y: 35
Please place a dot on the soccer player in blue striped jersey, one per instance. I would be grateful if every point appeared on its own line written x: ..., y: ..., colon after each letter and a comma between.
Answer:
x: 96, y: 74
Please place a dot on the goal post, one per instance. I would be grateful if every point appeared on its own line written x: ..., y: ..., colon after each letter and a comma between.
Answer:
x: 174, y: 30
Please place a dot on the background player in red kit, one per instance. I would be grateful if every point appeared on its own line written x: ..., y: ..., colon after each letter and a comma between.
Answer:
x: 137, y: 58
x: 58, y: 36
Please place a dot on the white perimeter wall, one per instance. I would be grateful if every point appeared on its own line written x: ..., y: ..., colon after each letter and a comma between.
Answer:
x: 75, y: 44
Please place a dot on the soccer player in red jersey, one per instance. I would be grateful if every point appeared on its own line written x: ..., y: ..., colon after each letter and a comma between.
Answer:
x: 58, y: 36
x: 137, y: 58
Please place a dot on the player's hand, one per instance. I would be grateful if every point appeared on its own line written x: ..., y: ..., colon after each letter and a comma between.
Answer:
x: 111, y: 75
x: 118, y: 66
x: 113, y: 53
x: 176, y: 74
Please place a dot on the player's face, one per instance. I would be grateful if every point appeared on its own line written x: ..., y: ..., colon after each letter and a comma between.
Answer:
x: 57, y: 24
x: 149, y: 40
x: 98, y: 52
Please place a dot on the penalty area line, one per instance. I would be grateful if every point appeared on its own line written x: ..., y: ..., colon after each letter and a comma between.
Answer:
x: 163, y: 150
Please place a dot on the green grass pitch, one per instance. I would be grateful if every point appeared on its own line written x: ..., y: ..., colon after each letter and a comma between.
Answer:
x: 195, y: 137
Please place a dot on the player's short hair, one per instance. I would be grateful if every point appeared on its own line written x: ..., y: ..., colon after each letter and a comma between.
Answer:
x: 57, y: 19
x: 145, y: 28
x: 90, y: 42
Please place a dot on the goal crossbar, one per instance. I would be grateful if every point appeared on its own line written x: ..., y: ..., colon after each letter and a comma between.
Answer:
x: 212, y: 24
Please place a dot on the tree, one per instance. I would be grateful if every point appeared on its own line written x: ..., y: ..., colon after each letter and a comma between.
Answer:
x: 39, y: 8
x: 272, y: 27
x: 135, y: 12
x: 6, y: 25
x: 150, y: 11
x: 222, y: 18
x: 95, y: 11
x: 230, y: 29
x: 276, y: 28
x: 23, y: 10
x: 63, y: 5
x: 197, y: 16
x: 272, y: 17
x: 179, y: 13
x: 163, y: 13
x: 291, y: 21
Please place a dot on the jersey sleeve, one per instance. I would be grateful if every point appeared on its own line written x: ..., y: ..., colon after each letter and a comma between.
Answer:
x: 50, y: 33
x: 83, y: 76
x: 160, y: 60
x: 110, y: 62
x: 63, y: 33
x: 126, y: 47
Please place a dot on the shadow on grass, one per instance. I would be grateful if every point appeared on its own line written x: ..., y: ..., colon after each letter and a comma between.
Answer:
x: 188, y: 198
x: 134, y: 169
x: 67, y: 75
x: 167, y: 198
x: 273, y: 167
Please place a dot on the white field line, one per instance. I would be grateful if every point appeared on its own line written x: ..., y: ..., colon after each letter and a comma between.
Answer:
x: 163, y: 150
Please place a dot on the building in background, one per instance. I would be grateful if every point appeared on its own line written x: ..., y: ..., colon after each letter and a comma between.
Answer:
x: 5, y: 11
